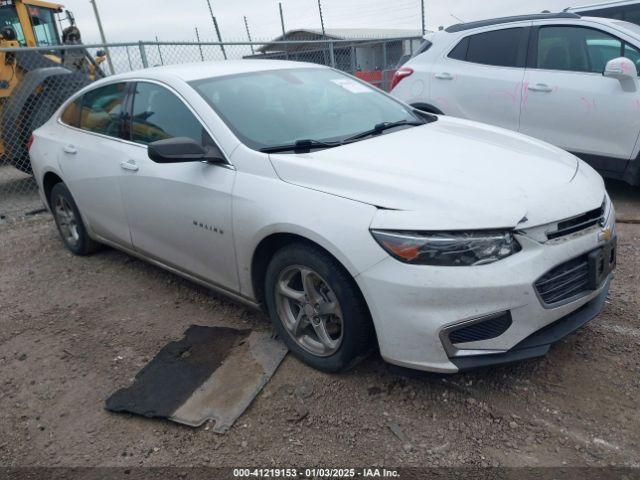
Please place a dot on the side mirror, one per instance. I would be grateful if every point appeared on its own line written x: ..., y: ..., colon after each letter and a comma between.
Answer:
x: 621, y: 69
x: 182, y: 150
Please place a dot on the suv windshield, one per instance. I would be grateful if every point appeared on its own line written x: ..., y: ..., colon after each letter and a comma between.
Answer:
x: 279, y: 107
x: 9, y: 18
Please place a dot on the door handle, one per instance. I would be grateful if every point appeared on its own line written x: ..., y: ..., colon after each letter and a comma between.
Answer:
x: 541, y: 87
x: 70, y: 149
x: 130, y: 165
x: 444, y: 76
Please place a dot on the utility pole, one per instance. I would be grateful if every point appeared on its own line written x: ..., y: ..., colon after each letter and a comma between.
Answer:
x: 215, y: 25
x: 321, y: 18
x: 199, y: 44
x: 246, y: 25
x: 281, y: 19
x: 424, y: 27
x: 104, y: 40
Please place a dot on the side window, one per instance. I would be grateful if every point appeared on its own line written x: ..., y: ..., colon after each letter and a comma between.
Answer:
x: 102, y: 110
x: 633, y: 54
x: 158, y: 114
x: 71, y: 114
x: 576, y: 49
x: 460, y: 51
x: 500, y: 48
x: 44, y: 26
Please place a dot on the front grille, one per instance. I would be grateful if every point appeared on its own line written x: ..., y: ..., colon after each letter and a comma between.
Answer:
x: 565, y: 281
x: 576, y: 224
x: 483, y: 330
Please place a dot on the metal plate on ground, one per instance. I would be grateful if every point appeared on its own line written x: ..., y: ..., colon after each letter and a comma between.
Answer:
x: 213, y: 373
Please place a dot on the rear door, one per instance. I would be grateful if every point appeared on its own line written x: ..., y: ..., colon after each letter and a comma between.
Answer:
x: 179, y: 213
x: 568, y: 101
x: 480, y: 77
x: 90, y: 156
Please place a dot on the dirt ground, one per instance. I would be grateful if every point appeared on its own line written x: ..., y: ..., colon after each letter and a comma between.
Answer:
x: 73, y: 330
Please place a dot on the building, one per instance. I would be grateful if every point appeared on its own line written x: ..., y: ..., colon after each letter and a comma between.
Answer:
x: 354, y: 50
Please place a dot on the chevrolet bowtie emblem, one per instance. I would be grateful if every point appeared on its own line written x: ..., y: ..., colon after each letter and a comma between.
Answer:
x: 606, y: 234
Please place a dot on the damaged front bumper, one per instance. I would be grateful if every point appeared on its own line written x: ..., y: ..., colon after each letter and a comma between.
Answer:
x: 416, y: 307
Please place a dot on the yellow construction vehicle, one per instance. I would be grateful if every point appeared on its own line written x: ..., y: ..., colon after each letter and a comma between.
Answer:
x: 34, y: 83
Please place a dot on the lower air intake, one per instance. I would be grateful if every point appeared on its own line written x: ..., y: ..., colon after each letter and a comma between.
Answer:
x: 483, y: 330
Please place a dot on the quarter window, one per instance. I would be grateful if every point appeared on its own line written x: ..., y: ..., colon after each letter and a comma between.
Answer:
x: 158, y: 115
x: 499, y: 48
x: 102, y: 110
x: 71, y: 114
x: 579, y: 49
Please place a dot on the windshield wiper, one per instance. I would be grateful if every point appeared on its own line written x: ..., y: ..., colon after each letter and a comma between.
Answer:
x: 381, y: 127
x: 300, y: 146
x: 304, y: 146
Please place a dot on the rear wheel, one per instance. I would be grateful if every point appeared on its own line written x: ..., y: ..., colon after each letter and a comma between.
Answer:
x: 69, y: 222
x: 317, y: 309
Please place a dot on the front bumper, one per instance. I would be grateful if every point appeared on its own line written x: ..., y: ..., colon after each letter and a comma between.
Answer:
x: 539, y: 343
x: 411, y: 305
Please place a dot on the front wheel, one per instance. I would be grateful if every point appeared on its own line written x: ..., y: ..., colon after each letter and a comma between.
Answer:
x: 317, y: 309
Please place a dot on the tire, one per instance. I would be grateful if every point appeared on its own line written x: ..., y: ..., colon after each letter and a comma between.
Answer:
x: 330, y: 303
x: 69, y: 222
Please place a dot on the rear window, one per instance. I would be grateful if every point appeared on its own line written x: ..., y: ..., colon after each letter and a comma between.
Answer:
x: 426, y: 45
x: 500, y: 48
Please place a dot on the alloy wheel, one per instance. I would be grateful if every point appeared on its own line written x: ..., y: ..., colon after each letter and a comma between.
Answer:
x: 309, y: 310
x: 67, y: 221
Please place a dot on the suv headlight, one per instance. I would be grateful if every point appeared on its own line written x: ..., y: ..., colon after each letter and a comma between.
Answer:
x: 453, y: 249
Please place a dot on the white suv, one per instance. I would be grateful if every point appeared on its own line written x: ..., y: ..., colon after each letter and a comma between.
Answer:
x: 568, y: 80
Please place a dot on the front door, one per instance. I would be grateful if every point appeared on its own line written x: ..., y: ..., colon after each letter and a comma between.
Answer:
x: 179, y: 213
x: 570, y: 104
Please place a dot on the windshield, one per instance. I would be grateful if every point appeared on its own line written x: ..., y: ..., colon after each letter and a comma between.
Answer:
x: 9, y: 18
x: 280, y: 107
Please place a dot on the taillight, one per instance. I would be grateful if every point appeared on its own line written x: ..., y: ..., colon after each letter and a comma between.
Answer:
x: 401, y: 74
x: 30, y: 142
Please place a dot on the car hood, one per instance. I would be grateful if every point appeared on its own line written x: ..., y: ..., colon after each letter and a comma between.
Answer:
x: 452, y: 174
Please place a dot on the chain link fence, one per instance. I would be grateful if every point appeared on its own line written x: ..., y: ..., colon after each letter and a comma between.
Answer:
x: 34, y: 82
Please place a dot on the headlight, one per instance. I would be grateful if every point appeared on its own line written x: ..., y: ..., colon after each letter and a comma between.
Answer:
x: 455, y: 249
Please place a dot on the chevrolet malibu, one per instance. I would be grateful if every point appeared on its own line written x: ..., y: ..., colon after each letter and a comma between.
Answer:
x: 355, y: 221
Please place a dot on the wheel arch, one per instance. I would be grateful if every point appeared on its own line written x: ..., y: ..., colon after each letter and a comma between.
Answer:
x: 49, y: 180
x: 271, y: 243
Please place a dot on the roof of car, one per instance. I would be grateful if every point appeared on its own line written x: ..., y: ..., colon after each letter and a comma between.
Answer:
x: 197, y: 71
x: 461, y: 27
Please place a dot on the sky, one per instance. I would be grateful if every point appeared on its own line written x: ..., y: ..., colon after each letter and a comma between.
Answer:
x: 170, y: 20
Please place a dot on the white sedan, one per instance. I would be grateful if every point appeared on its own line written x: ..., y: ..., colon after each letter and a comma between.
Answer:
x: 355, y: 221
